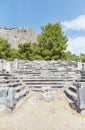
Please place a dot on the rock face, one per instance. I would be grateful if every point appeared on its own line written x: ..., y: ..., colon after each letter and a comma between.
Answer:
x: 18, y: 35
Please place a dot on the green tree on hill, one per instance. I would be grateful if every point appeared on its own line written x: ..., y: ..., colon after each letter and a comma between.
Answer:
x: 70, y: 56
x: 5, y: 49
x: 52, y: 41
x: 82, y: 57
x: 25, y: 50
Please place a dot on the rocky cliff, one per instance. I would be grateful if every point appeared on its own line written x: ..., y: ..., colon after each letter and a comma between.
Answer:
x: 18, y: 35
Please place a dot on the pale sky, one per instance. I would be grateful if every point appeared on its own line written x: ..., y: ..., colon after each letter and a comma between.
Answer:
x: 36, y: 13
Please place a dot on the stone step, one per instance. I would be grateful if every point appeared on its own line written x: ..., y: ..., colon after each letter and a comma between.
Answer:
x: 43, y: 80
x: 21, y: 94
x: 73, y: 89
x: 39, y: 89
x: 37, y: 71
x: 28, y: 72
x: 10, y: 85
x: 45, y: 71
x: 45, y: 85
x: 2, y: 80
x: 14, y: 84
x: 82, y: 77
x: 19, y: 88
x: 52, y: 78
x: 81, y: 80
x: 72, y: 93
x: 5, y: 74
x: 69, y: 97
x: 46, y: 79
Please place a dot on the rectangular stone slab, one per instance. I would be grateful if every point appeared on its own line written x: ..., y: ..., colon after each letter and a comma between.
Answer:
x: 81, y: 95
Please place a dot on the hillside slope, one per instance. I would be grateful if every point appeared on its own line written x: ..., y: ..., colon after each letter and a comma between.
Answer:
x: 18, y: 35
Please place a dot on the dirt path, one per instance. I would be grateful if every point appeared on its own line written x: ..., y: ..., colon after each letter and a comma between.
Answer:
x: 36, y: 114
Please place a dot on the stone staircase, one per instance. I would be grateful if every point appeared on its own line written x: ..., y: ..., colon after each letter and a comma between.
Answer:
x: 18, y: 77
x: 75, y: 94
x: 71, y: 93
x: 12, y: 91
x: 49, y: 74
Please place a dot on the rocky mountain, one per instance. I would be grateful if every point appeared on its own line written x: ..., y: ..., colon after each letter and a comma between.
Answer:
x: 18, y: 35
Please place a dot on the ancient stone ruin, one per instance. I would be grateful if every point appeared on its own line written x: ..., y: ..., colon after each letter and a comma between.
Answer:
x: 18, y: 78
x: 76, y: 92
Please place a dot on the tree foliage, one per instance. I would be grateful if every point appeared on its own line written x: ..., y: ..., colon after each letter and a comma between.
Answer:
x: 53, y: 40
x: 82, y: 57
x: 70, y: 56
x: 51, y: 44
x: 5, y: 49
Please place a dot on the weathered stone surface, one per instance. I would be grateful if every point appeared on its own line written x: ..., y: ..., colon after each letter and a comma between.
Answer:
x: 18, y: 35
x: 43, y: 76
x: 8, y: 67
x: 47, y: 96
x: 3, y: 91
x: 81, y: 95
x: 1, y: 64
x: 10, y: 100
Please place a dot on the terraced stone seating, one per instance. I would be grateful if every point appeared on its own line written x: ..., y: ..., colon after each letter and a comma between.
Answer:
x: 76, y: 93
x: 19, y: 76
x: 71, y: 93
x: 53, y: 74
x: 12, y: 91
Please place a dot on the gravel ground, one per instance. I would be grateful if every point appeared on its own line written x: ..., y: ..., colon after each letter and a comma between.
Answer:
x: 36, y: 114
